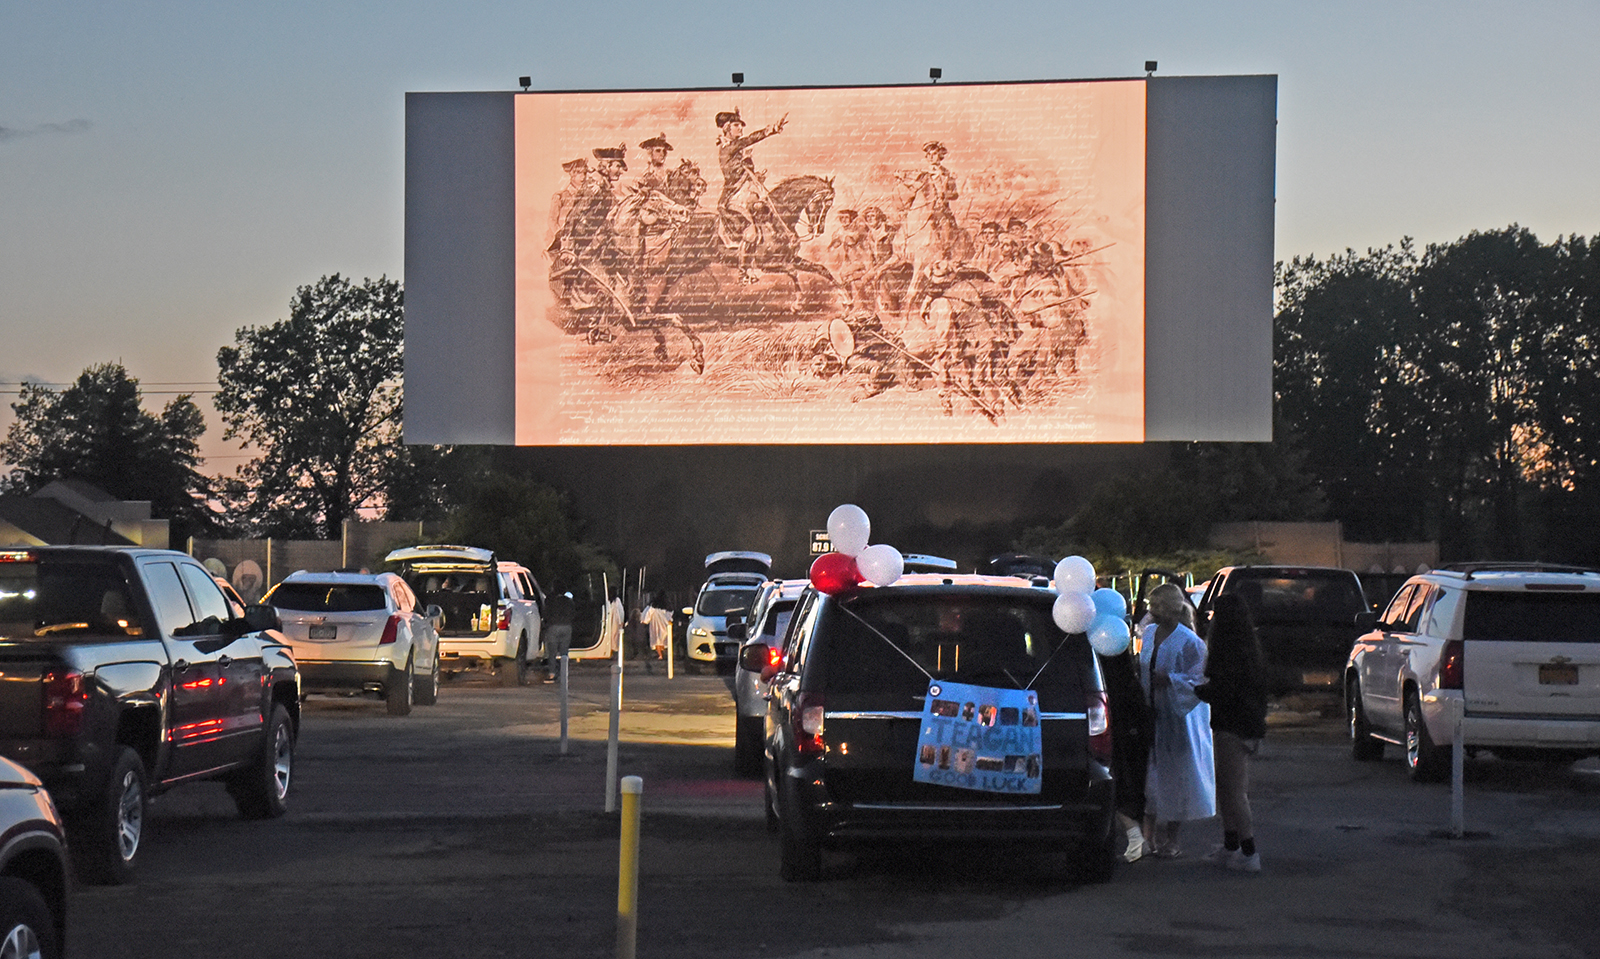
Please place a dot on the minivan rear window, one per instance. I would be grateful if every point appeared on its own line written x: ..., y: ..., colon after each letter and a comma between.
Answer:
x: 982, y: 640
x: 1501, y: 616
x: 327, y: 597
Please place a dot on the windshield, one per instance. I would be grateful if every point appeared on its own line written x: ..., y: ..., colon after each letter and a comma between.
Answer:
x: 1299, y: 595
x: 49, y: 599
x: 721, y: 602
x: 1544, y: 617
x: 986, y: 641
x: 327, y: 597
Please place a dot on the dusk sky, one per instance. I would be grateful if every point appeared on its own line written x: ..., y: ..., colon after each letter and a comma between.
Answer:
x: 171, y: 171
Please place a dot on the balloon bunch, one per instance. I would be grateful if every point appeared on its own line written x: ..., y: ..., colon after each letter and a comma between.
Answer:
x: 1080, y: 608
x: 852, y: 562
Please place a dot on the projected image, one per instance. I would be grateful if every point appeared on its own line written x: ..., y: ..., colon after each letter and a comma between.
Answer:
x: 936, y: 264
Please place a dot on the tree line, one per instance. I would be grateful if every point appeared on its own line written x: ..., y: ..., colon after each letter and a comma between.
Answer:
x: 1444, y: 394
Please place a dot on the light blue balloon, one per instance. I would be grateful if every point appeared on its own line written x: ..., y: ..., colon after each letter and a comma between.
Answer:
x: 1109, y: 602
x: 1109, y: 634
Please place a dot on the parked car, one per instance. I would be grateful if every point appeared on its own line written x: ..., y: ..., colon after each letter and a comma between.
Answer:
x: 1516, y: 646
x: 34, y: 875
x: 127, y: 673
x: 945, y: 708
x: 1305, y: 616
x: 493, y: 609
x: 361, y: 633
x: 765, y: 627
x: 732, y: 578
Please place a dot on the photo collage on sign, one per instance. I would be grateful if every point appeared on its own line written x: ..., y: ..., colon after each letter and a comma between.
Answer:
x: 979, y: 737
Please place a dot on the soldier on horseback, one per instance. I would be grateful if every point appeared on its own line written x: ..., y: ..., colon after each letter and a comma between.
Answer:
x: 741, y: 184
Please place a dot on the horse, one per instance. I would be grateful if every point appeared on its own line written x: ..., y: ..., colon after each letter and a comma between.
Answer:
x: 796, y: 209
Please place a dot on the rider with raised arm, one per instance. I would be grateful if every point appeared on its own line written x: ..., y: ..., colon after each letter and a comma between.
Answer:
x: 741, y: 183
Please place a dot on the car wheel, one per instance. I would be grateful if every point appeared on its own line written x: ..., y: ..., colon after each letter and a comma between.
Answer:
x: 1427, y: 762
x: 522, y: 661
x: 428, y: 693
x: 747, y: 745
x: 1362, y: 746
x: 772, y: 812
x: 1094, y: 862
x: 111, y: 830
x: 261, y: 790
x: 27, y: 927
x: 400, y: 692
x: 799, y: 853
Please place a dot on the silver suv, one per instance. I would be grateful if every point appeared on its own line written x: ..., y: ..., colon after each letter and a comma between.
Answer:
x: 765, y: 627
x: 361, y: 633
x: 1517, y: 645
x: 493, y: 609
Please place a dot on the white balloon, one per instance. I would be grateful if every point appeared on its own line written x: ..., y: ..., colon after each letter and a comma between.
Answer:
x: 881, y: 564
x: 1074, y: 575
x: 1073, y: 612
x: 848, y: 529
x: 1109, y: 634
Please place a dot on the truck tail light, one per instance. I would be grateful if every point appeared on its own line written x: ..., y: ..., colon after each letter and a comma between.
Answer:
x: 1450, y: 664
x: 807, y: 719
x: 1098, y: 711
x: 66, y: 696
x: 391, y: 630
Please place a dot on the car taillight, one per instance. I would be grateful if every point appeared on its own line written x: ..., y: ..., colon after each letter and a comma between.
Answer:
x: 391, y: 630
x: 505, y: 618
x: 1450, y: 664
x: 1098, y: 712
x: 66, y: 696
x: 807, y: 718
x: 774, y: 657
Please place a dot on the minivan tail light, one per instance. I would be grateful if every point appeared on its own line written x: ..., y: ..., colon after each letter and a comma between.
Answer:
x: 1450, y: 664
x: 808, y: 722
x: 66, y: 696
x: 1098, y: 712
x: 391, y: 630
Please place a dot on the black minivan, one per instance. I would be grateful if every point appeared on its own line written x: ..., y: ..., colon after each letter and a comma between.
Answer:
x: 941, y: 709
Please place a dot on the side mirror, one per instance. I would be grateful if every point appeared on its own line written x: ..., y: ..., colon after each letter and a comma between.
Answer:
x: 688, y: 611
x: 259, y: 618
x: 753, y: 656
x: 1366, y: 620
x: 737, y: 631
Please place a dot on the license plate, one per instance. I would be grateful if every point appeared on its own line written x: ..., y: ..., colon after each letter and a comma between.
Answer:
x: 1318, y: 679
x: 324, y: 631
x: 1551, y: 674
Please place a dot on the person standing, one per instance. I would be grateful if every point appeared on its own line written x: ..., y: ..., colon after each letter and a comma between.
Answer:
x: 557, y: 634
x: 1236, y: 690
x: 1180, y: 784
x: 660, y: 622
x: 1131, y: 730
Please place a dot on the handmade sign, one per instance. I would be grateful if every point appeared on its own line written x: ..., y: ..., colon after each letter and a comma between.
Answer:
x: 979, y: 737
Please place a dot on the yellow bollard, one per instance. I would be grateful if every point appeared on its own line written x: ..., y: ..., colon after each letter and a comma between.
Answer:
x: 628, y: 869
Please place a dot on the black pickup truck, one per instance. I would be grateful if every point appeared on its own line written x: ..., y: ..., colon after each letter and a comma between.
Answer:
x: 124, y: 672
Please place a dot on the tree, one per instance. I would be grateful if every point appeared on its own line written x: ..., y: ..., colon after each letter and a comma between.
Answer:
x: 524, y: 521
x: 98, y: 431
x: 318, y: 396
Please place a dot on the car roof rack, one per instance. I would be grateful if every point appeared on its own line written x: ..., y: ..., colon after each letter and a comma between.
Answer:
x: 1468, y: 570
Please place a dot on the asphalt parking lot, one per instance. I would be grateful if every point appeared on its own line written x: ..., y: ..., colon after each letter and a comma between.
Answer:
x: 461, y: 830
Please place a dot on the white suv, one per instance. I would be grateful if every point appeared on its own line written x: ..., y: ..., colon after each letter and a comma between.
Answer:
x: 1516, y: 644
x: 493, y: 609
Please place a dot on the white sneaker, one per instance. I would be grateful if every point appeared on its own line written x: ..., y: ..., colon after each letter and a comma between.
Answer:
x: 1239, y: 862
x: 1135, y: 850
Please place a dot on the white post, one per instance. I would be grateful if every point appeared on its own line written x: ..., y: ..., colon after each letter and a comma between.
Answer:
x: 564, y: 674
x: 1458, y: 705
x: 611, y: 739
x: 670, y: 648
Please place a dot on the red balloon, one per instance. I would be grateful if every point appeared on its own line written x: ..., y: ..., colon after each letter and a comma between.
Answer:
x: 835, y: 573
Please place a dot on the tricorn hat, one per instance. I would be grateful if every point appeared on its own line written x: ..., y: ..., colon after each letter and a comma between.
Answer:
x: 724, y: 118
x: 572, y: 166
x: 659, y: 140
x: 935, y: 146
x: 612, y: 153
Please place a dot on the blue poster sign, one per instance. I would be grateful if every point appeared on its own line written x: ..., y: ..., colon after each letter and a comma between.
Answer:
x: 979, y: 737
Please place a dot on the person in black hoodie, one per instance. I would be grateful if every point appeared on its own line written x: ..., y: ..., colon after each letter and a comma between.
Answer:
x: 1236, y: 688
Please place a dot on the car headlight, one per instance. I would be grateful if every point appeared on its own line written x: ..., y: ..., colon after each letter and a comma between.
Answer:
x: 700, y: 632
